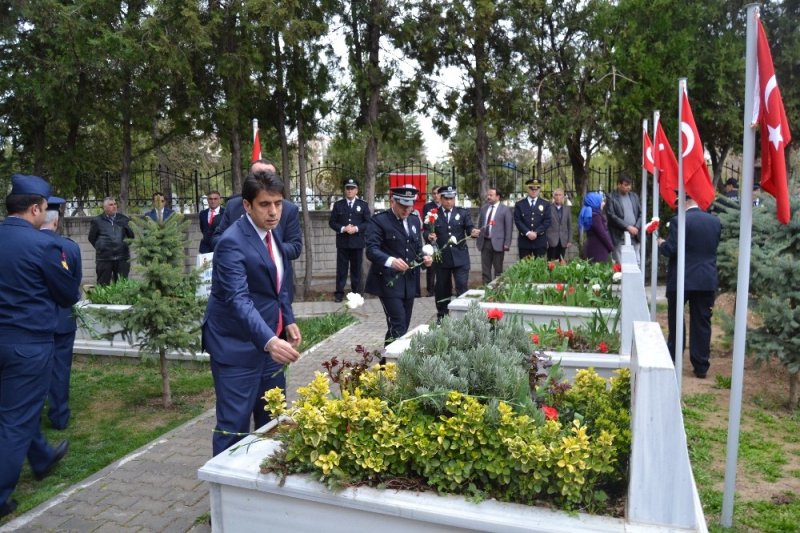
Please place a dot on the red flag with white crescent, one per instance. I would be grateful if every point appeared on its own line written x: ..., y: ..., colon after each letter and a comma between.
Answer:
x: 648, y: 161
x: 667, y: 165
x: 695, y: 171
x: 256, y: 147
x: 768, y: 111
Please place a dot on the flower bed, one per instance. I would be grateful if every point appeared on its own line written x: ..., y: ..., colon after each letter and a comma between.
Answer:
x: 576, y: 272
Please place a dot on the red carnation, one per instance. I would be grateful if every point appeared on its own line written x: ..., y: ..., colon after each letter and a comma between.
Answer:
x: 535, y: 338
x: 602, y: 347
x: 491, y: 222
x: 550, y: 413
x: 494, y: 314
x: 551, y: 265
x: 433, y: 210
x: 617, y: 267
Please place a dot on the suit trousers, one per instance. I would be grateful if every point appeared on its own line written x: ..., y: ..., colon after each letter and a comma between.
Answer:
x: 110, y: 271
x: 240, y: 392
x: 491, y: 260
x: 535, y: 252
x: 352, y: 259
x: 398, y: 317
x: 701, y: 305
x: 25, y: 370
x: 444, y: 286
x: 430, y: 279
x: 554, y: 253
x: 58, y: 395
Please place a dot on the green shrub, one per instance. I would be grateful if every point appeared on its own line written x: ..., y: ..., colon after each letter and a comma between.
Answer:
x: 124, y: 291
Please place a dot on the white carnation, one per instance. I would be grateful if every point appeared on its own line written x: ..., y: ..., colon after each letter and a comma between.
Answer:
x: 617, y: 277
x: 354, y: 300
x: 453, y: 239
x: 427, y: 250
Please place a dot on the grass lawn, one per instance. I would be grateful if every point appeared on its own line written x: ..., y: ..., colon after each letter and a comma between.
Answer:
x: 116, y: 408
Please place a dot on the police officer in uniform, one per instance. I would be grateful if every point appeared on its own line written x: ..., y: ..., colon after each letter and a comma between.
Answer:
x: 34, y: 280
x: 58, y: 395
x: 435, y: 203
x: 394, y: 245
x: 348, y: 219
x: 532, y: 218
x: 453, y: 223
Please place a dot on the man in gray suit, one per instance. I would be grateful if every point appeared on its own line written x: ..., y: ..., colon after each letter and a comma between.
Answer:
x: 559, y: 234
x: 497, y: 226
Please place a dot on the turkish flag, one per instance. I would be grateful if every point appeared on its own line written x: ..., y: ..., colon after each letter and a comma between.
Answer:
x: 647, y: 153
x: 695, y: 171
x: 667, y: 165
x: 775, y: 134
x: 256, y: 147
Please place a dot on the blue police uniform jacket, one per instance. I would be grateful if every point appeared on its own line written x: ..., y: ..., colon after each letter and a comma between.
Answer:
x: 71, y: 253
x: 703, y: 232
x: 386, y: 237
x: 342, y: 215
x: 34, y: 280
x: 527, y: 218
x: 460, y: 226
x: 242, y: 311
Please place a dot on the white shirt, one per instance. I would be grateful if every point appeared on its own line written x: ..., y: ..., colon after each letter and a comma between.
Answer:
x: 276, y: 252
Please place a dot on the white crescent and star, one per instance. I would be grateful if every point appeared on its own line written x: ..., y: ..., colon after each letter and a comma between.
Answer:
x: 687, y: 131
x: 775, y: 135
x: 649, y: 154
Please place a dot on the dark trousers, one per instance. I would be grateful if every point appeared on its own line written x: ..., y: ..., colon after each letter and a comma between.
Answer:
x: 352, y: 259
x: 535, y: 252
x: 110, y: 271
x: 444, y: 286
x: 557, y: 252
x: 398, y: 317
x: 701, y: 304
x: 239, y: 393
x: 491, y: 260
x: 430, y: 279
x: 25, y: 370
x: 58, y: 394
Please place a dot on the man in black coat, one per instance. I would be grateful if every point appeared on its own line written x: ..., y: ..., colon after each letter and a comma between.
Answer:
x: 435, y: 203
x: 394, y: 246
x: 453, y: 225
x: 209, y: 221
x: 532, y: 218
x: 700, y: 281
x: 349, y: 218
x: 107, y: 233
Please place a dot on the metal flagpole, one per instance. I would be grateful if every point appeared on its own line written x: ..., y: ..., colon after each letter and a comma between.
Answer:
x: 743, y: 274
x: 642, y: 234
x: 679, y: 295
x: 255, y: 128
x: 654, y: 243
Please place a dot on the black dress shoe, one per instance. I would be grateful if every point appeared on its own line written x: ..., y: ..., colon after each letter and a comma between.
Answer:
x: 338, y: 299
x: 700, y: 375
x: 7, y: 508
x: 60, y: 452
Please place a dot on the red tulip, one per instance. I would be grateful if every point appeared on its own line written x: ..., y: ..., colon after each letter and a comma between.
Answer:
x: 535, y: 338
x: 494, y: 314
x: 617, y: 267
x: 550, y: 413
x: 551, y: 266
x: 602, y: 347
x: 559, y: 287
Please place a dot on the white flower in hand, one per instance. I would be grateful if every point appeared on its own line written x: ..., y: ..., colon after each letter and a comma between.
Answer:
x: 453, y: 239
x: 427, y: 250
x: 354, y: 300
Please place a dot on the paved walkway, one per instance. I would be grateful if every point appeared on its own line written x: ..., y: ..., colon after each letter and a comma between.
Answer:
x: 156, y: 488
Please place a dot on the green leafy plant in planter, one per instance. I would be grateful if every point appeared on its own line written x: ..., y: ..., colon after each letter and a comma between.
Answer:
x: 124, y: 291
x: 598, y: 335
x: 576, y: 272
x: 581, y: 295
x: 166, y: 314
x: 475, y: 427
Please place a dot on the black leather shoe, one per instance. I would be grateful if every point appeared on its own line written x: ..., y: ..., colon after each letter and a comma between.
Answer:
x: 7, y: 508
x: 700, y: 375
x: 338, y: 299
x: 60, y: 452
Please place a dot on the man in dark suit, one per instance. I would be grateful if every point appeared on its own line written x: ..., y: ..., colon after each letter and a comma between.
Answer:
x: 559, y: 234
x: 159, y: 213
x: 532, y: 218
x: 435, y: 203
x: 494, y: 238
x: 394, y: 247
x: 454, y: 224
x: 209, y: 221
x: 34, y: 281
x: 349, y: 218
x: 58, y: 394
x: 288, y: 231
x: 700, y: 281
x: 249, y: 313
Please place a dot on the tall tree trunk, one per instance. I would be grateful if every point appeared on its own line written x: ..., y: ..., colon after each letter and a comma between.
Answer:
x: 481, y: 138
x: 127, y: 156
x: 577, y: 162
x: 717, y: 161
x: 236, y: 159
x: 307, y: 229
x: 375, y: 83
x: 280, y: 125
x: 166, y: 391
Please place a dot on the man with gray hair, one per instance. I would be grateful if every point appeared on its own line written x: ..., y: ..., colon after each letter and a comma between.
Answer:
x: 107, y: 233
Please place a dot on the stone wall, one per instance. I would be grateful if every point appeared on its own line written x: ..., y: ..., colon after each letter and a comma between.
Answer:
x: 323, y: 240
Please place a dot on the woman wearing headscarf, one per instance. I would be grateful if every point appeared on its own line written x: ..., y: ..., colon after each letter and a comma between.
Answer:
x: 590, y: 219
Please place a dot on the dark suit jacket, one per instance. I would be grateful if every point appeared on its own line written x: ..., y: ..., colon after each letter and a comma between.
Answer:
x: 386, y: 238
x: 242, y: 311
x: 460, y: 226
x: 288, y: 230
x: 616, y: 215
x: 152, y: 215
x: 208, y: 229
x: 71, y: 254
x: 341, y: 216
x: 703, y: 232
x: 502, y: 230
x: 532, y: 219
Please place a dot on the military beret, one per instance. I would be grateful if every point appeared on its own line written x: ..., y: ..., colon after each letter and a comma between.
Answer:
x: 405, y: 194
x: 22, y: 184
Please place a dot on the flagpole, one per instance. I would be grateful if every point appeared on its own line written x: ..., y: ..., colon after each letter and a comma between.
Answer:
x: 743, y: 274
x: 654, y: 243
x: 255, y: 128
x: 642, y: 234
x: 679, y: 295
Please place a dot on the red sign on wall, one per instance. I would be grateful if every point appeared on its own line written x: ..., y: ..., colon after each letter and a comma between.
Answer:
x: 419, y: 181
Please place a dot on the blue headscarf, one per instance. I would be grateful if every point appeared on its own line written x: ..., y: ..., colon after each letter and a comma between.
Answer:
x: 591, y: 203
